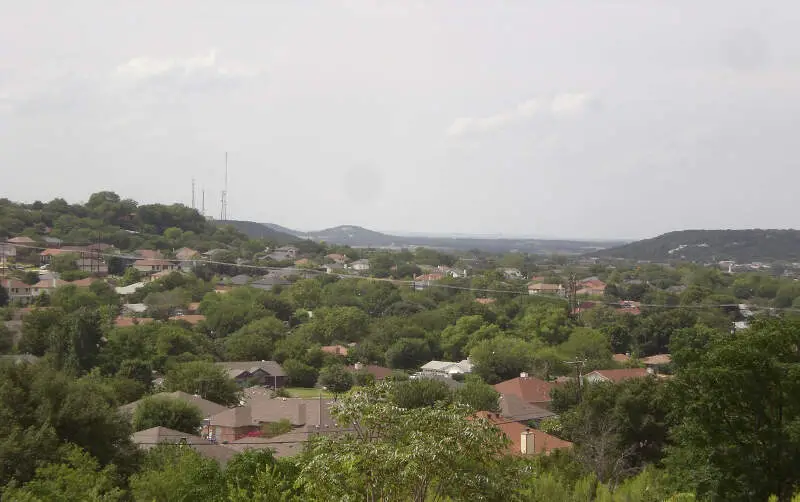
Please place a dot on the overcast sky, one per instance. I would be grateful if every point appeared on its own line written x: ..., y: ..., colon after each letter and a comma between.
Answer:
x: 559, y: 118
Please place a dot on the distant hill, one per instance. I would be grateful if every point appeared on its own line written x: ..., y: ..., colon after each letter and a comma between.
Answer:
x: 356, y: 236
x: 284, y: 230
x: 260, y: 231
x: 741, y: 246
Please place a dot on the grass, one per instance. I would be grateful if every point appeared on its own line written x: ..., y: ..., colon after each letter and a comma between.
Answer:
x: 306, y: 392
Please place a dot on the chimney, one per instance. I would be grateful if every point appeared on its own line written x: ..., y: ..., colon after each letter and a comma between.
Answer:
x: 523, y: 375
x: 301, y: 414
x: 358, y: 366
x: 527, y: 442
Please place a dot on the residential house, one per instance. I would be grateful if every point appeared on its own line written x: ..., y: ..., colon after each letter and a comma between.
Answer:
x: 512, y: 407
x: 18, y: 291
x: 303, y: 262
x: 336, y: 350
x: 529, y: 389
x: 541, y: 288
x: 426, y: 280
x: 184, y: 254
x: 268, y: 282
x: 621, y: 358
x: 153, y: 265
x: 630, y: 307
x: 127, y: 322
x: 592, y: 287
x: 46, y: 256
x: 93, y: 266
x: 154, y: 436
x: 379, y: 372
x: 192, y: 319
x: 260, y: 408
x: 361, y: 265
x: 285, y: 445
x: 447, y: 380
x: 524, y: 440
x: 283, y: 253
x: 129, y: 289
x: 455, y: 273
x: 20, y: 358
x: 615, y: 376
x: 337, y: 258
x: 134, y: 309
x: 512, y: 273
x: 657, y: 364
x: 248, y: 373
x: 53, y: 241
x: 47, y: 286
x: 334, y: 268
x: 21, y: 241
x: 148, y: 254
x: 447, y: 368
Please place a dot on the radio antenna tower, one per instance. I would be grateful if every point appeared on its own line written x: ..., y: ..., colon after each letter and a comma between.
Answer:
x: 193, y: 205
x: 203, y: 202
x: 223, y: 212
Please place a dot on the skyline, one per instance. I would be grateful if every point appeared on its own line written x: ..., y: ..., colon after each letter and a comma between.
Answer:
x: 565, y: 119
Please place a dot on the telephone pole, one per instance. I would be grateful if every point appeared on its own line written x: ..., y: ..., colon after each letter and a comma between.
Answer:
x: 579, y: 363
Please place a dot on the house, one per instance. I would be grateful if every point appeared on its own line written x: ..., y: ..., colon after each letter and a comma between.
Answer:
x: 53, y: 241
x: 18, y: 291
x: 303, y: 262
x: 657, y: 363
x: 261, y: 408
x: 83, y: 283
x: 455, y: 273
x: 630, y: 307
x: 207, y: 408
x: 336, y: 350
x: 20, y: 358
x: 285, y: 445
x: 425, y: 281
x: 127, y: 322
x: 379, y: 372
x: 47, y: 255
x: 541, y: 288
x: 615, y: 376
x: 47, y: 286
x: 92, y: 266
x: 283, y: 253
x: 621, y: 358
x: 153, y: 265
x: 333, y: 268
x: 148, y: 254
x: 129, y: 289
x: 134, y: 309
x: 592, y: 287
x: 361, y: 265
x: 447, y: 380
x: 512, y: 273
x: 524, y: 440
x: 529, y: 389
x: 512, y: 407
x: 248, y: 373
x: 337, y: 258
x: 447, y: 368
x: 154, y: 436
x: 185, y: 254
x: 21, y: 241
x: 193, y: 319
x: 268, y: 282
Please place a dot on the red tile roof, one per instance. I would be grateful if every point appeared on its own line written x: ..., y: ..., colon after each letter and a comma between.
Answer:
x: 190, y: 318
x: 429, y: 277
x: 21, y: 240
x: 485, y: 301
x: 55, y: 252
x: 339, y: 350
x: 542, y: 442
x: 621, y: 358
x: 83, y: 283
x: 379, y: 372
x: 658, y: 359
x: 125, y: 322
x: 620, y: 375
x: 529, y: 389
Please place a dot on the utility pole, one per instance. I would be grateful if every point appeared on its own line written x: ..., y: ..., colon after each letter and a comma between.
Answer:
x: 572, y: 293
x: 579, y: 370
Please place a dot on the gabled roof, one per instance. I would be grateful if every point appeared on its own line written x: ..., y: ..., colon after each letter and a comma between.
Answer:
x: 300, y: 412
x: 447, y: 366
x: 55, y: 252
x: 127, y: 322
x: 150, y: 262
x: 619, y: 375
x: 541, y: 286
x: 129, y: 289
x: 149, y: 254
x: 154, y: 436
x: 379, y: 372
x: 285, y: 445
x: 621, y: 358
x: 337, y: 350
x: 542, y: 442
x: 192, y: 319
x: 657, y: 360
x: 207, y: 408
x: 429, y: 277
x: 272, y: 368
x: 529, y: 389
x: 21, y: 240
x: 512, y: 407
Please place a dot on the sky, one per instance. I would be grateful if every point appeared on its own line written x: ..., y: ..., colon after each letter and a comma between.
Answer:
x: 557, y: 118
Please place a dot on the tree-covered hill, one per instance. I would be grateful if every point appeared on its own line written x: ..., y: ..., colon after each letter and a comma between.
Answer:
x: 260, y: 231
x: 742, y: 246
x: 107, y: 218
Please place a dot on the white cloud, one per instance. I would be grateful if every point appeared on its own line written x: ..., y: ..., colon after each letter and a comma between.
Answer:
x: 560, y: 105
x: 202, y: 69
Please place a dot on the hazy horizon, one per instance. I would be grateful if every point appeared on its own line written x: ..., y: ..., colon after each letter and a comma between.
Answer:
x: 553, y: 118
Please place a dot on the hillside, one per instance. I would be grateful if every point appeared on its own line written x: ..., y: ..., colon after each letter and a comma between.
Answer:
x: 741, y: 246
x: 356, y: 236
x: 260, y: 231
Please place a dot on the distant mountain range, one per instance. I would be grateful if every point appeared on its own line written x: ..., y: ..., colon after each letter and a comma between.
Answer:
x: 741, y: 246
x: 356, y: 236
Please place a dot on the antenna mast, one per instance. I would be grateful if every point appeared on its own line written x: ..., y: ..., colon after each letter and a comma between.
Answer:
x: 223, y: 212
x: 203, y: 202
x: 193, y: 205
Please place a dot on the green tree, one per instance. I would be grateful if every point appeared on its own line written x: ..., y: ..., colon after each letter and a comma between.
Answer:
x: 413, y: 454
x: 205, y: 379
x: 3, y: 296
x: 159, y: 411
x: 336, y: 379
x: 478, y: 395
x: 173, y: 473
x: 754, y: 451
x: 30, y: 277
x: 64, y: 262
x: 408, y: 353
x: 419, y: 392
x: 299, y: 373
x: 502, y: 358
x: 131, y: 276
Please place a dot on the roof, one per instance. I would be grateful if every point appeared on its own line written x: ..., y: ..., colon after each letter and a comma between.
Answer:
x: 485, y: 301
x: 138, y: 308
x: 192, y: 319
x: 83, y: 283
x: 150, y: 262
x: 126, y: 322
x: 262, y: 407
x: 619, y: 375
x: 338, y: 350
x: 285, y: 445
x: 50, y: 283
x: 514, y: 408
x: 447, y: 366
x: 379, y: 372
x: 185, y: 253
x: 541, y: 286
x: 529, y: 389
x: 21, y: 240
x: 657, y: 359
x: 362, y: 261
x: 129, y: 289
x: 56, y: 252
x: 13, y: 283
x: 543, y: 442
x: 429, y: 277
x: 148, y: 253
x: 193, y: 307
x: 207, y: 408
x: 270, y: 367
x: 621, y: 358
x: 149, y: 438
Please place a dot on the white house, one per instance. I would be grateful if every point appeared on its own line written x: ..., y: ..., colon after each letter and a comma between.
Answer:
x: 361, y: 265
x: 447, y: 368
